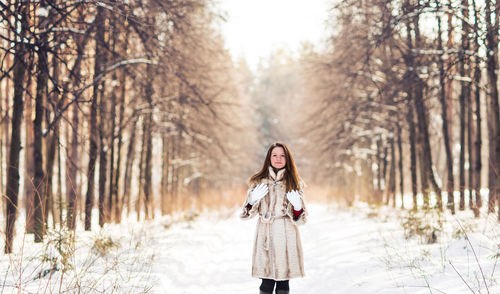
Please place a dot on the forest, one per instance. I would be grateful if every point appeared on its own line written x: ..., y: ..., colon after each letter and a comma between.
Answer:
x: 113, y: 110
x: 98, y: 96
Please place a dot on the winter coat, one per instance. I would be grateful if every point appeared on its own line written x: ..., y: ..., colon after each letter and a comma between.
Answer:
x: 277, y: 252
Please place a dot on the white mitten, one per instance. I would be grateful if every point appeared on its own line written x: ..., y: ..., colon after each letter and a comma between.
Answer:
x: 258, y: 193
x: 294, y: 198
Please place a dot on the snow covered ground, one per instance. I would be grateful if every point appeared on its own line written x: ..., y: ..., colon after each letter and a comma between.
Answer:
x: 355, y: 250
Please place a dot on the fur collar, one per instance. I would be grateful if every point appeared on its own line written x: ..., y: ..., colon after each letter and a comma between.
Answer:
x: 276, y: 177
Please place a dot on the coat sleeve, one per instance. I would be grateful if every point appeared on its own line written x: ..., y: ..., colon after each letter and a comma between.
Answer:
x: 249, y: 211
x: 302, y: 218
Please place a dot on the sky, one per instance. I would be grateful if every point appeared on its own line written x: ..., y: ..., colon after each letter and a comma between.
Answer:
x: 255, y: 28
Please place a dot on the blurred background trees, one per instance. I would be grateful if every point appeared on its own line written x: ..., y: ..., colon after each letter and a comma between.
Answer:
x: 125, y: 106
x: 409, y: 89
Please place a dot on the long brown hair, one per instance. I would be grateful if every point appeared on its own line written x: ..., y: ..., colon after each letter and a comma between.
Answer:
x: 291, y: 176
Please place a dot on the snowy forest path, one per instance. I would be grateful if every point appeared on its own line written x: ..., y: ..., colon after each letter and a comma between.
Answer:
x: 213, y: 255
x: 345, y: 251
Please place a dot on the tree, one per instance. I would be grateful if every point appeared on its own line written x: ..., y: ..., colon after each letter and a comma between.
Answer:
x: 12, y: 187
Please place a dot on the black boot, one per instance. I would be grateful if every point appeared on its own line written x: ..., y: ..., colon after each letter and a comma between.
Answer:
x: 267, y: 286
x: 282, y: 287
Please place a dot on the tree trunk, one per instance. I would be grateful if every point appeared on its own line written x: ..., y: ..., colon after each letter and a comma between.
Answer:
x: 494, y: 131
x: 140, y: 196
x: 148, y: 190
x: 423, y: 122
x: 4, y: 126
x: 73, y: 161
x: 392, y: 175
x: 148, y: 209
x: 73, y: 189
x: 477, y: 88
x: 492, y: 175
x: 122, y: 98
x: 462, y: 148
x: 29, y: 174
x: 426, y: 147
x: 378, y: 197
x: 112, y: 184
x: 99, y: 61
x: 424, y: 179
x: 116, y: 190
x: 413, y: 155
x: 470, y: 151
x: 103, y: 157
x: 492, y: 44
x: 12, y: 185
x: 49, y: 170
x: 175, y: 171
x: 59, y: 185
x: 89, y: 199
x: 464, y: 97
x: 128, y: 167
x: 370, y: 178
x: 173, y: 143
x: 6, y: 119
x: 384, y: 174
x: 400, y: 158
x: 450, y: 182
x: 72, y: 165
x: 409, y: 88
x: 169, y: 175
x: 52, y: 143
x: 165, y: 174
x: 41, y: 95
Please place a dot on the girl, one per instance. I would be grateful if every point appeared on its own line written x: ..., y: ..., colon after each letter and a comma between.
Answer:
x: 276, y: 195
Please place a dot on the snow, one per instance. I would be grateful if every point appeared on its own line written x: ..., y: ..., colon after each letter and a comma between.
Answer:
x: 42, y: 12
x: 346, y: 250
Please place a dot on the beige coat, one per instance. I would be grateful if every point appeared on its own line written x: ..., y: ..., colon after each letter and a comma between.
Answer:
x: 277, y: 252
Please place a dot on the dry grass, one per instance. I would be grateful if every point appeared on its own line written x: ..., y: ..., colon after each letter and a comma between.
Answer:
x: 87, y: 263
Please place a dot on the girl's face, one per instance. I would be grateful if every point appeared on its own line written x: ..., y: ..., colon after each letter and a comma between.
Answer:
x: 278, y: 158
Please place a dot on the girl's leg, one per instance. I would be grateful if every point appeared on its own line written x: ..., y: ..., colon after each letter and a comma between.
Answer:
x: 267, y: 285
x: 282, y: 285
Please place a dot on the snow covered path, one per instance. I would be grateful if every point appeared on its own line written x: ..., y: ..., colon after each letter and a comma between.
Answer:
x: 345, y: 252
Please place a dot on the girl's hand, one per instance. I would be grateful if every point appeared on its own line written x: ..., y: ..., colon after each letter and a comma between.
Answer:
x: 258, y: 193
x: 294, y: 198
